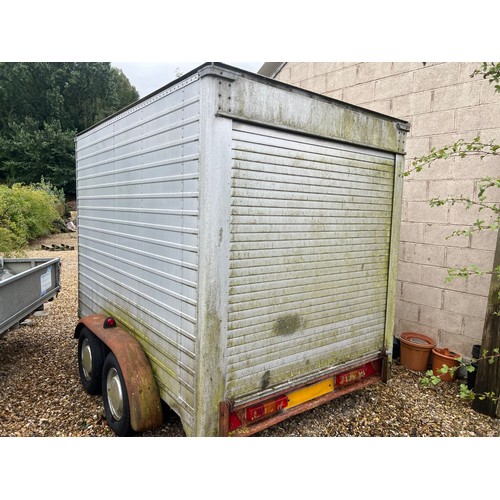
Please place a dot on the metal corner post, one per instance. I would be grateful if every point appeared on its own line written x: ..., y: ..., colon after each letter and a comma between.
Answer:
x: 393, y: 258
x: 215, y: 178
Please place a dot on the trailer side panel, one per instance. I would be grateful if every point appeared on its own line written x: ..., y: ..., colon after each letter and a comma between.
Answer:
x: 137, y: 178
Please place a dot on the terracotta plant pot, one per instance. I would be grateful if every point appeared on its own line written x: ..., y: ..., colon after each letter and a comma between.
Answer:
x: 446, y: 357
x: 416, y: 350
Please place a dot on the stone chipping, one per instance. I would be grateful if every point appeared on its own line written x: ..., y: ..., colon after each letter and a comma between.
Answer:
x: 41, y: 394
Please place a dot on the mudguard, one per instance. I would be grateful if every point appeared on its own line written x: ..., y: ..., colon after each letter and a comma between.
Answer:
x: 144, y: 399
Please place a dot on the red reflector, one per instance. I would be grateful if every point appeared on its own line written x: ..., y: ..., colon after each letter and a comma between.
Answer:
x: 109, y: 323
x: 261, y: 410
x: 234, y: 421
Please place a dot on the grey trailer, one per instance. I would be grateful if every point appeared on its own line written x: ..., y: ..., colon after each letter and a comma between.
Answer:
x: 238, y: 243
x: 25, y: 285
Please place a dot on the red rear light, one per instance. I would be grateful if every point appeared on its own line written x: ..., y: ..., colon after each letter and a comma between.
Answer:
x: 245, y: 416
x: 364, y: 371
x: 234, y: 421
x: 109, y: 323
x: 254, y: 417
x: 264, y: 409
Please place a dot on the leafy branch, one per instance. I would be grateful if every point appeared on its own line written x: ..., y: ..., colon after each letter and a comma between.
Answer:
x: 491, y: 72
x: 432, y: 379
x: 437, y: 202
x: 486, y: 183
x: 479, y: 224
x: 471, y: 270
x: 462, y: 149
x: 459, y: 149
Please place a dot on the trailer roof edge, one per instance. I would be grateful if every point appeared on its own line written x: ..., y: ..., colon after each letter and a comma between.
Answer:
x: 211, y: 68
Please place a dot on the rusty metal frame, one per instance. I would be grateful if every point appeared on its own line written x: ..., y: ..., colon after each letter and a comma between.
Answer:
x: 144, y: 399
x: 226, y: 407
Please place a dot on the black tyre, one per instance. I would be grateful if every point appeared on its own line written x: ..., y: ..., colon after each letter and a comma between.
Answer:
x: 91, y: 354
x: 115, y: 398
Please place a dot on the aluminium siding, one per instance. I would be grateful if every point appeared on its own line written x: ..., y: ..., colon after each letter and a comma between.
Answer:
x: 137, y: 178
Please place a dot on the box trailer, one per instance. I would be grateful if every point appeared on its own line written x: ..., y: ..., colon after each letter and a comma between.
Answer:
x: 238, y: 242
x: 25, y: 285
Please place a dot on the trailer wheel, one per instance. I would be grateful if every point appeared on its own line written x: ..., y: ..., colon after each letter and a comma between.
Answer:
x: 91, y: 356
x: 115, y: 398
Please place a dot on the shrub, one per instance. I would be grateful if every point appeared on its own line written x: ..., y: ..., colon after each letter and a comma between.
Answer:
x: 57, y: 195
x: 26, y: 213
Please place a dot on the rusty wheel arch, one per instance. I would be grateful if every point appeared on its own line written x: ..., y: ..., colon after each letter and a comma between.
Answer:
x: 144, y: 399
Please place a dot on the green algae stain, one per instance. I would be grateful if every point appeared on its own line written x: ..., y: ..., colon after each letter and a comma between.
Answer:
x: 287, y: 325
x: 266, y: 380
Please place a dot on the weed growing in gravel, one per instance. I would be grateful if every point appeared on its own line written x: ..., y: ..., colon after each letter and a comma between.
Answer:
x: 430, y: 379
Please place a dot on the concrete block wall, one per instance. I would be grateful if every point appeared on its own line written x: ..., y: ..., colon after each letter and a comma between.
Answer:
x: 443, y: 104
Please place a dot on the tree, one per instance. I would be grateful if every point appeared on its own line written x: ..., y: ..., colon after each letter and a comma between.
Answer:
x: 43, y: 105
x: 488, y: 377
x: 32, y: 151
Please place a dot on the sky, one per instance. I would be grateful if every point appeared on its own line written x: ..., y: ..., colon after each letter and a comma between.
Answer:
x: 147, y: 77
x: 224, y: 30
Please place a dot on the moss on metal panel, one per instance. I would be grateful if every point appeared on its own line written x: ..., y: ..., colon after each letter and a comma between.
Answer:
x: 169, y: 393
x: 247, y: 100
x: 310, y: 222
x: 287, y: 324
x: 211, y: 376
x: 394, y: 255
x: 288, y: 373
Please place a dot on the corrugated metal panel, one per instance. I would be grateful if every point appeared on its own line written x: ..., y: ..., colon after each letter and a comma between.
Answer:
x: 137, y: 178
x: 310, y: 234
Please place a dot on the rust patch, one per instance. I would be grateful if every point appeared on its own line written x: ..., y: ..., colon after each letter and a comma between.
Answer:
x: 144, y: 399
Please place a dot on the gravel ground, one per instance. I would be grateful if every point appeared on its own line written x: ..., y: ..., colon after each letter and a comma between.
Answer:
x: 41, y: 395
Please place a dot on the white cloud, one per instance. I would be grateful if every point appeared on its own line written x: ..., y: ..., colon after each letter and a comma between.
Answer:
x: 147, y: 77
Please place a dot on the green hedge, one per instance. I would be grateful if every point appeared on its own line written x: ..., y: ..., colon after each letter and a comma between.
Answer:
x: 26, y: 213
